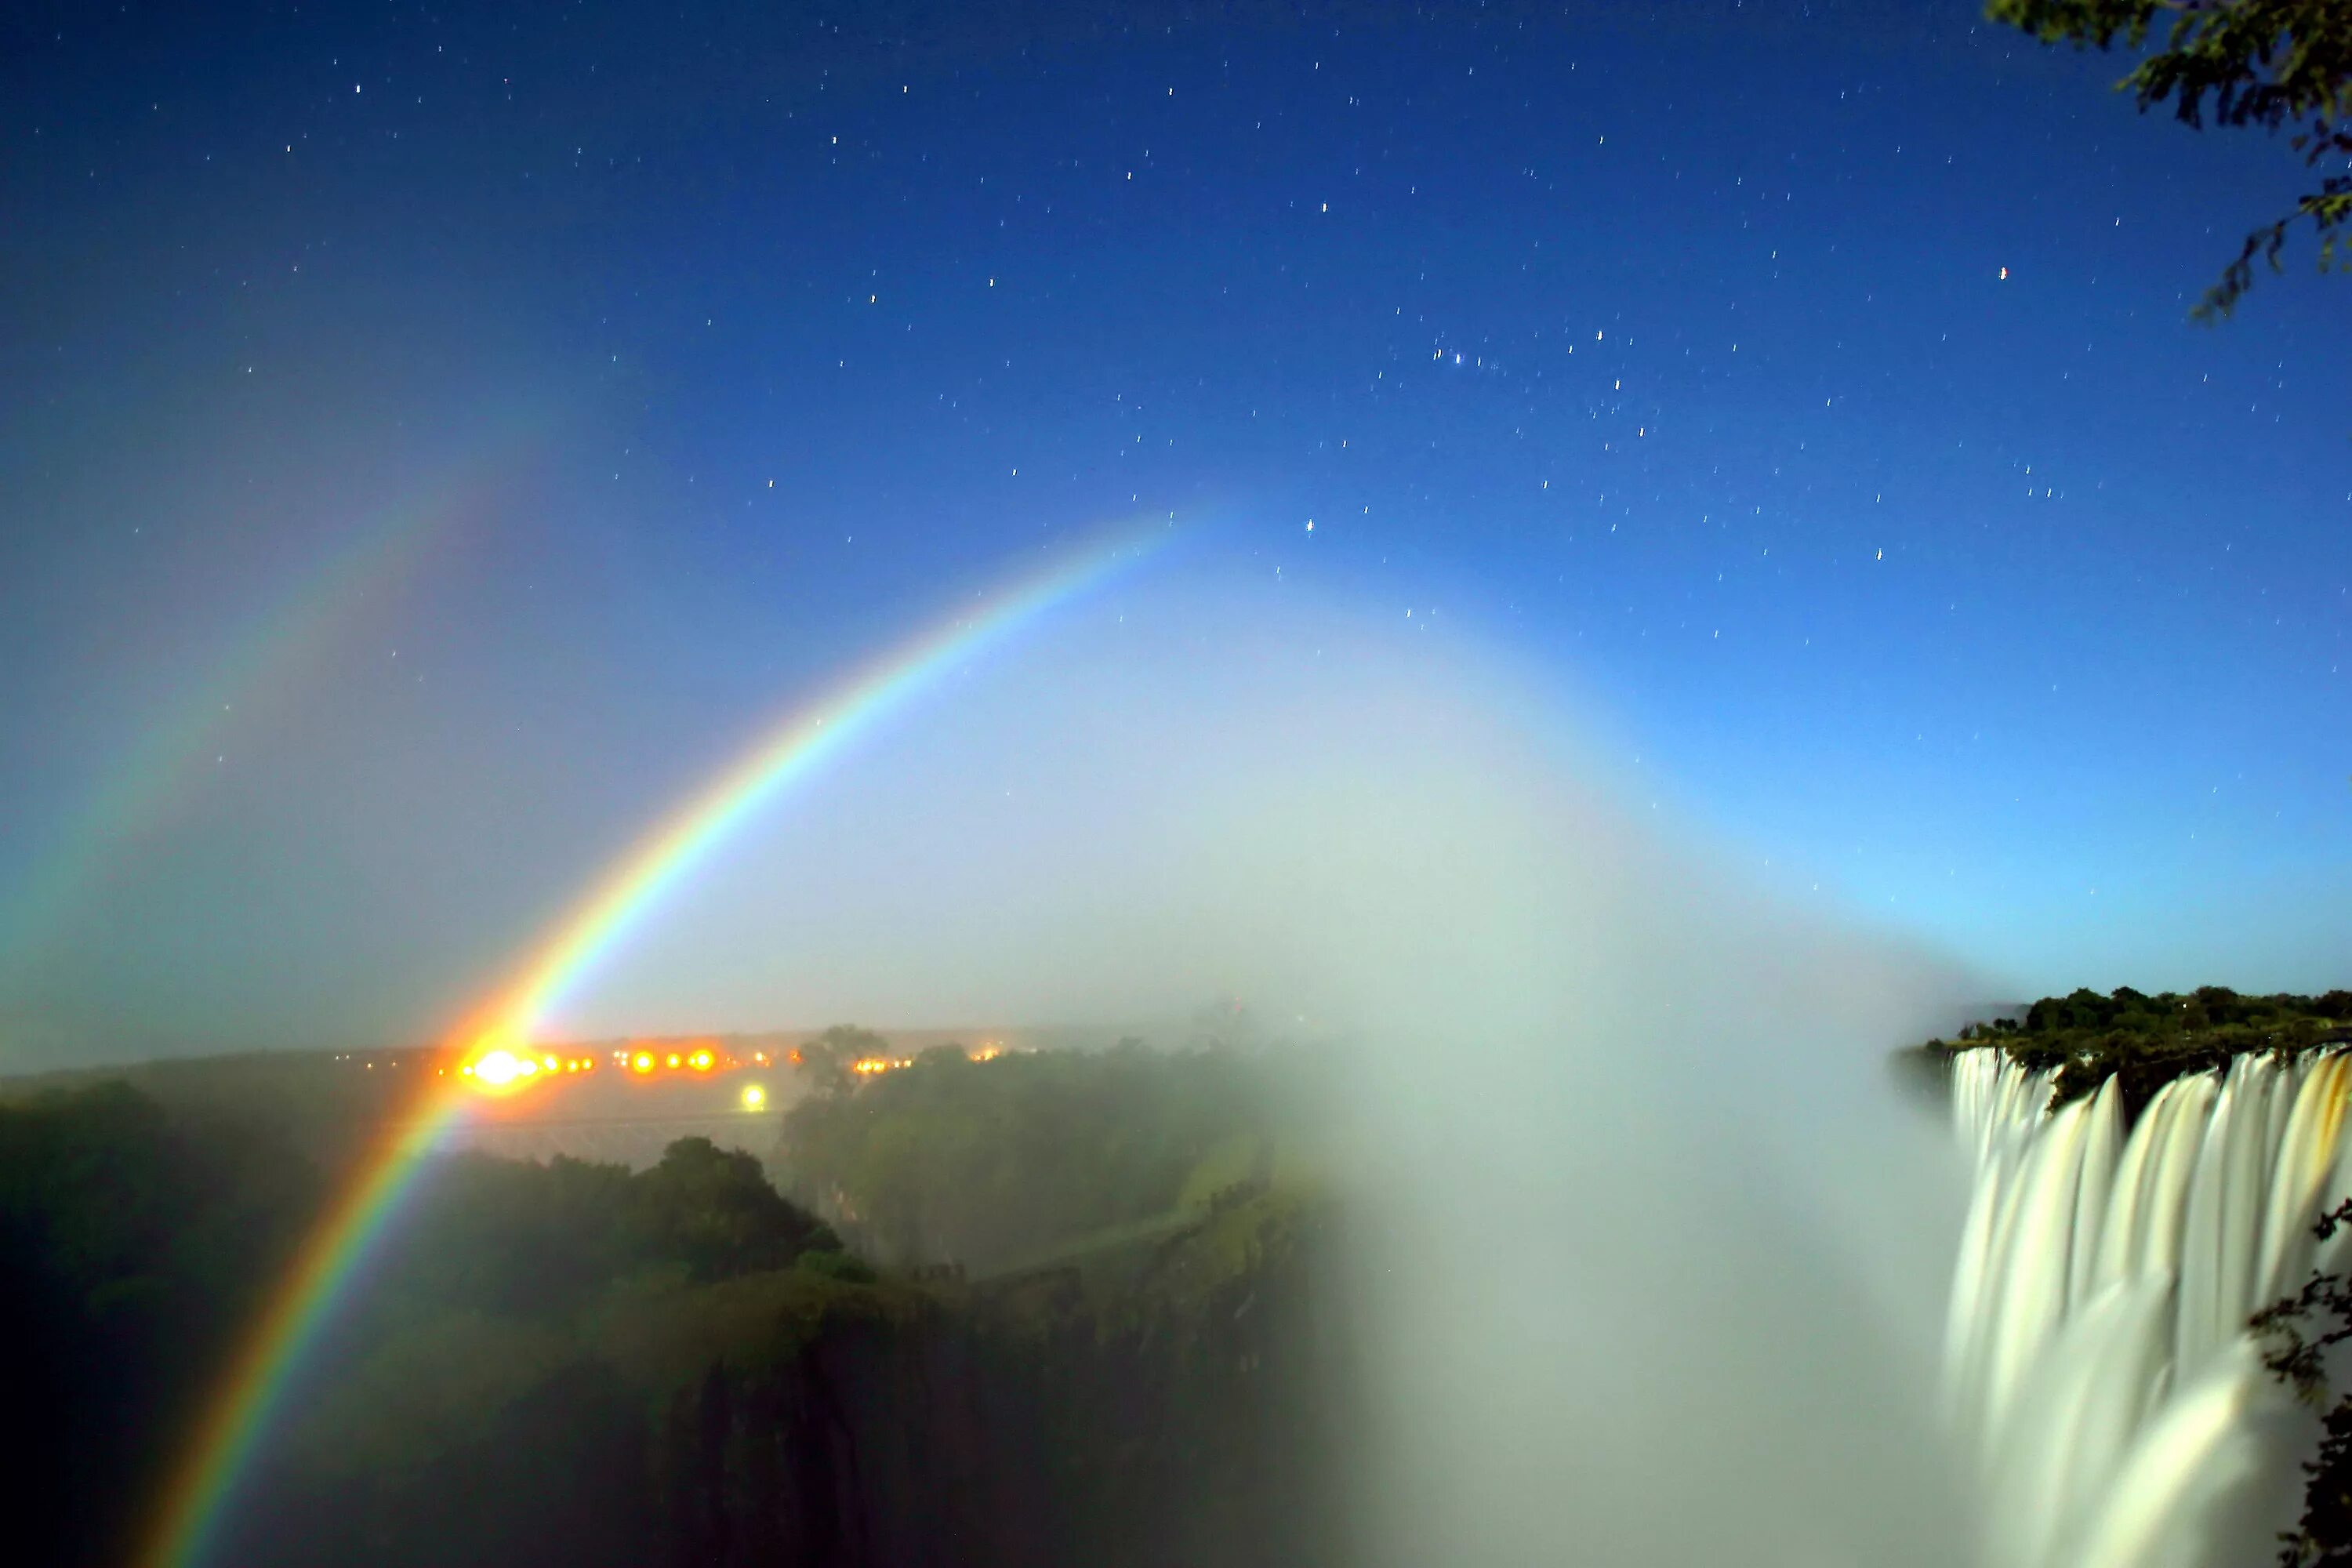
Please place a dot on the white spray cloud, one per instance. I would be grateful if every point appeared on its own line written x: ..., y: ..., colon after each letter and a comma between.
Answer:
x: 1650, y: 1258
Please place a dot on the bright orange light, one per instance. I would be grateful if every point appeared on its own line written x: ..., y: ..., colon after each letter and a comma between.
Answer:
x: 500, y: 1069
x: 702, y: 1061
x: 642, y: 1062
x: 673, y: 1061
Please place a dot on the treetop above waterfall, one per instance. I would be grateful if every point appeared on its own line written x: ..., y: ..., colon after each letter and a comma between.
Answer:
x: 2148, y: 1041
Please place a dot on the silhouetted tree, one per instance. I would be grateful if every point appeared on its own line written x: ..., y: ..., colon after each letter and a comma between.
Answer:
x: 2301, y: 1330
x: 829, y: 1061
x: 713, y: 1210
x: 2273, y: 65
x: 131, y: 1250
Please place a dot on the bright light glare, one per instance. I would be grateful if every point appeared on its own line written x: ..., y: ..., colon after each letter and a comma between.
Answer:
x: 754, y: 1097
x: 500, y: 1067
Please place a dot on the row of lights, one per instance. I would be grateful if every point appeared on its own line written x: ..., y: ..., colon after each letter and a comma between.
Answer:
x: 501, y: 1068
x: 645, y: 1062
x: 504, y: 1069
x: 868, y: 1067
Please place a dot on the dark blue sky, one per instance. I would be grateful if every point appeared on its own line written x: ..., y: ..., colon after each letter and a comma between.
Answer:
x: 429, y: 442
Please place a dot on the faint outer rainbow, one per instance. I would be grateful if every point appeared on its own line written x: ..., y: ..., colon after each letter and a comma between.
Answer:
x: 273, y: 656
x: 248, y: 1396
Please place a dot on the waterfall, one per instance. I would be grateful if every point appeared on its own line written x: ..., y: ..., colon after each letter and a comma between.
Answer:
x: 2096, y: 1360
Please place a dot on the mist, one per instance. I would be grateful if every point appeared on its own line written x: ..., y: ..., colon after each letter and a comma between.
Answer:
x: 1645, y: 1254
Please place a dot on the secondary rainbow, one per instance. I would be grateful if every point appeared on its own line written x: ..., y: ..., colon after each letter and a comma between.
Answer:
x: 260, y: 669
x: 247, y: 1399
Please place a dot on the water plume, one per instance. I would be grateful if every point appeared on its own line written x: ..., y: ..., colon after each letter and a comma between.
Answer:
x: 1646, y: 1256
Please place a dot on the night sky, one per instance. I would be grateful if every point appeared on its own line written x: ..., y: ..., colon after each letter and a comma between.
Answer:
x: 431, y: 440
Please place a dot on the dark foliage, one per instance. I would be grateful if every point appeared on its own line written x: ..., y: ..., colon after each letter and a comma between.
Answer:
x: 2272, y: 65
x: 2322, y: 1538
x: 713, y: 1211
x: 131, y: 1248
x: 2145, y: 1042
x: 1162, y: 1421
x: 830, y: 1061
x: 573, y: 1363
x: 540, y: 1241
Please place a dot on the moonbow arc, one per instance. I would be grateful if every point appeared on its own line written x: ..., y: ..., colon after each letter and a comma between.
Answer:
x: 243, y: 1410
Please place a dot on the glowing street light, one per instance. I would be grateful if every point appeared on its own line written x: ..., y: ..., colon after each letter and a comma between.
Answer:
x: 499, y: 1069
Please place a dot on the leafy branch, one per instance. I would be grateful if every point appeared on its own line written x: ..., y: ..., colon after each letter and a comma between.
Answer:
x: 2322, y: 1538
x: 2273, y: 65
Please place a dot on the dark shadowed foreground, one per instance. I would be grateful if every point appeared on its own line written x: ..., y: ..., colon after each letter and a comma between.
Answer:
x: 569, y: 1363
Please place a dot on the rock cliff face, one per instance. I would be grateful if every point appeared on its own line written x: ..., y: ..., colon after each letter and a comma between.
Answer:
x: 1179, y: 1407
x: 1175, y: 1401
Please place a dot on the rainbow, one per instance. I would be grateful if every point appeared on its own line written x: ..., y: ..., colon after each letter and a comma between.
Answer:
x: 264, y: 666
x: 249, y: 1397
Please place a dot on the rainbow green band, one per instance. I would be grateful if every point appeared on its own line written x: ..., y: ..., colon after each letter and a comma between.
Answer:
x: 244, y: 1409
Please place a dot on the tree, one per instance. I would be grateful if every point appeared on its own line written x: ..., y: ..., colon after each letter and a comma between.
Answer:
x: 131, y: 1247
x: 2278, y: 65
x: 831, y: 1060
x: 2298, y: 1332
x: 713, y: 1210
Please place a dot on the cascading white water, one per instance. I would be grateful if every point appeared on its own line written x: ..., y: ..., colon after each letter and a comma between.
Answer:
x: 2096, y: 1358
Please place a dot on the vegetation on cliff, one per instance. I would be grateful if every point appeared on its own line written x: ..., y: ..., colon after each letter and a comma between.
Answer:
x: 2298, y: 1333
x: 2145, y: 1042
